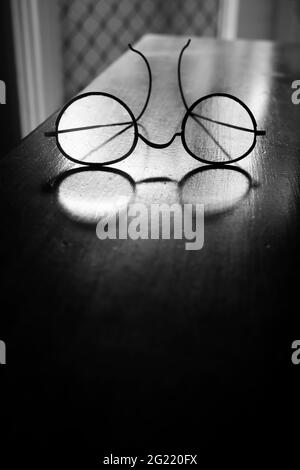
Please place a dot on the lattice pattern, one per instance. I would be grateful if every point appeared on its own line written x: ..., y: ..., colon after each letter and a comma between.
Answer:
x: 96, y: 32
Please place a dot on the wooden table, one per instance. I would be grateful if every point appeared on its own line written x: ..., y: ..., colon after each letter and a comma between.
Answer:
x: 124, y: 344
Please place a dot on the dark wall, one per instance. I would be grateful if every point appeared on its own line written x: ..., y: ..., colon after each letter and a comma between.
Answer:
x: 9, y: 114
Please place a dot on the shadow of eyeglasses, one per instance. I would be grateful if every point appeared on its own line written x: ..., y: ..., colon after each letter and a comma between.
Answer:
x: 85, y: 194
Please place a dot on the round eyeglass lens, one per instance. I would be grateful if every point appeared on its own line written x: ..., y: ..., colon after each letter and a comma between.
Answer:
x: 219, y: 130
x: 96, y: 129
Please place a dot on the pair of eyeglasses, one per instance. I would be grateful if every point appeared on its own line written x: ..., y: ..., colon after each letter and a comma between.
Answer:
x: 98, y: 128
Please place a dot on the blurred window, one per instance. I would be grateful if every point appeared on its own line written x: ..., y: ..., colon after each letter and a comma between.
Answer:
x: 96, y: 32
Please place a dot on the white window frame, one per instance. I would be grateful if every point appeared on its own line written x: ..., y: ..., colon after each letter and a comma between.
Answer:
x: 38, y: 60
x: 228, y: 19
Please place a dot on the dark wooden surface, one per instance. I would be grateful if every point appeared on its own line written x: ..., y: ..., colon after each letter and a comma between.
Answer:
x: 142, y: 344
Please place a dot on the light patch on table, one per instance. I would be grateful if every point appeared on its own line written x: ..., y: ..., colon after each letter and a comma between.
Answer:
x: 218, y: 189
x: 88, y: 195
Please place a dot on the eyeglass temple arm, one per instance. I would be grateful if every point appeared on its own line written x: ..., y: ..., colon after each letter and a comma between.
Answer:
x: 53, y: 133
x: 150, y: 80
x: 179, y: 74
x: 257, y: 132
